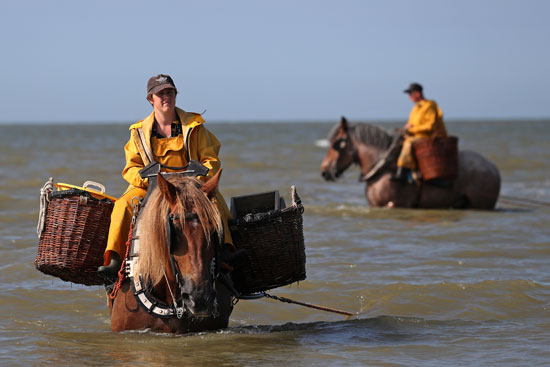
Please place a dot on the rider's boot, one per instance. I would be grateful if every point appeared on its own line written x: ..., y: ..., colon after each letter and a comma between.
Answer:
x: 232, y: 259
x: 110, y: 272
x: 400, y: 175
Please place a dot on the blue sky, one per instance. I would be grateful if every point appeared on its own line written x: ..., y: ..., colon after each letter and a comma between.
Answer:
x: 75, y: 61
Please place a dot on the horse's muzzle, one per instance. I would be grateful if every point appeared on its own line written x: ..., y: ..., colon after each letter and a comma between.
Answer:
x: 330, y: 175
x: 200, y: 303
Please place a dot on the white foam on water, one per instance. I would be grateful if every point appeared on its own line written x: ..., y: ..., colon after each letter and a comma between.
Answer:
x: 322, y: 143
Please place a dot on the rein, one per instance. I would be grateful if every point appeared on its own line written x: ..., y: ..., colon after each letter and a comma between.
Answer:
x: 381, y: 163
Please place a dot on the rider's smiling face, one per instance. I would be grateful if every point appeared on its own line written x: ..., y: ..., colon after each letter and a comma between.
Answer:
x: 164, y: 100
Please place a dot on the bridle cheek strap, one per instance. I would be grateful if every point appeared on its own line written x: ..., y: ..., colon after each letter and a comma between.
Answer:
x: 171, y: 238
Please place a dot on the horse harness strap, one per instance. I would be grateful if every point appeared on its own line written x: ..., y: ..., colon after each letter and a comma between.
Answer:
x: 380, y: 163
x: 148, y: 302
x: 374, y: 170
x: 150, y: 157
x: 151, y: 305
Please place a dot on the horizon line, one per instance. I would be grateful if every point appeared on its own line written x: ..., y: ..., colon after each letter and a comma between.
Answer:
x: 274, y: 121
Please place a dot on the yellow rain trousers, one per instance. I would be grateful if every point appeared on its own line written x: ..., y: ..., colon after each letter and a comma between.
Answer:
x: 204, y: 148
x: 426, y: 120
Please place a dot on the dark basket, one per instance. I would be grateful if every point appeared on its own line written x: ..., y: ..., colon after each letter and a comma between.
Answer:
x: 74, y: 237
x: 437, y: 157
x: 275, y: 244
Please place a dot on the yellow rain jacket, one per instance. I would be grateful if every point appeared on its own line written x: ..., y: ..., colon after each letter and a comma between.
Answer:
x: 426, y: 120
x: 203, y: 147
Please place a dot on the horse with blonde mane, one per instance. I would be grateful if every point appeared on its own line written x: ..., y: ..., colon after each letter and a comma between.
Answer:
x: 174, y: 284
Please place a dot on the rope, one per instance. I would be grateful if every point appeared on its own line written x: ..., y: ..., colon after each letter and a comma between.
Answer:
x: 44, y: 200
x: 317, y: 307
x: 122, y: 272
x: 177, y: 310
x: 523, y: 201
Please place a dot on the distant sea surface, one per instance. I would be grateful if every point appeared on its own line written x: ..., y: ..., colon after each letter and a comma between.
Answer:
x: 433, y: 287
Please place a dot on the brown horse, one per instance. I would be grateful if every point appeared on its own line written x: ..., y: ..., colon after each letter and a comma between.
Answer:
x: 173, y: 284
x: 375, y: 151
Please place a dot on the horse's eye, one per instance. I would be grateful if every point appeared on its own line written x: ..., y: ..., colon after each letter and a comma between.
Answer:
x: 339, y: 144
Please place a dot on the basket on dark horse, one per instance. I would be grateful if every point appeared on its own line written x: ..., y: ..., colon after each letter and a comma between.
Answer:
x: 74, y: 235
x: 437, y: 157
x: 274, y: 238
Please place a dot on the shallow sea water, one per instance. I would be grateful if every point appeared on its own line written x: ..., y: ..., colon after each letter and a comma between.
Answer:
x: 433, y: 287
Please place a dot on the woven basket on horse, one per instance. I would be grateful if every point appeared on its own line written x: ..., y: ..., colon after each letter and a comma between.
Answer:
x: 74, y: 236
x: 275, y: 243
x: 437, y: 157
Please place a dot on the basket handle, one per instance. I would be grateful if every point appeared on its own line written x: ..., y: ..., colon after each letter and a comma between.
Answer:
x: 96, y: 184
x: 295, y: 198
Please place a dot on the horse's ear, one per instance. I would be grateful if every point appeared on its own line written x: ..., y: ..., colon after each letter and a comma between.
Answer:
x: 344, y: 124
x: 211, y: 186
x: 167, y: 189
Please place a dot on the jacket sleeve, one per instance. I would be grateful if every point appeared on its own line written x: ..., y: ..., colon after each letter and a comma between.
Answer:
x: 424, y: 123
x: 134, y: 164
x: 208, y: 148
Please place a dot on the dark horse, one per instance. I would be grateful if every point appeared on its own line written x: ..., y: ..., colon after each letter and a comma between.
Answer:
x: 375, y: 151
x: 174, y: 280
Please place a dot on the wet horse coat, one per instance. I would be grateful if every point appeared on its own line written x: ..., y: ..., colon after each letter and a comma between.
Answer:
x: 477, y: 185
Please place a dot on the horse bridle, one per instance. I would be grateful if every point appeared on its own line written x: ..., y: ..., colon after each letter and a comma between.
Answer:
x: 142, y: 292
x: 171, y: 240
x: 342, y: 144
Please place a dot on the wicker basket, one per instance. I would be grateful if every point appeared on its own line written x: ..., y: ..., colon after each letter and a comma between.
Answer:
x: 437, y: 157
x: 74, y: 237
x: 275, y: 244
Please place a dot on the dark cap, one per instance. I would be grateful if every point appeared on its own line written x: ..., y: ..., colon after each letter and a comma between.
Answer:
x: 159, y: 82
x: 413, y: 87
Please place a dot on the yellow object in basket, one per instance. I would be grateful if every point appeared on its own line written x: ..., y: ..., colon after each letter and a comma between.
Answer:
x: 98, y: 194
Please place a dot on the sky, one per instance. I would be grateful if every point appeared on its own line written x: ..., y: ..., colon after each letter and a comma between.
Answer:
x: 287, y: 60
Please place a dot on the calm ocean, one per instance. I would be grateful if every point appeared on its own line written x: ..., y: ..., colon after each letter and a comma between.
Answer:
x: 434, y: 287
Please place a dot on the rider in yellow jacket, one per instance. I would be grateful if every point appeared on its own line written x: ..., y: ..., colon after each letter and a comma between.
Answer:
x: 173, y: 137
x: 425, y: 121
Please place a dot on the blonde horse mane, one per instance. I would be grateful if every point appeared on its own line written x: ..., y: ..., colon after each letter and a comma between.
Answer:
x: 153, y: 249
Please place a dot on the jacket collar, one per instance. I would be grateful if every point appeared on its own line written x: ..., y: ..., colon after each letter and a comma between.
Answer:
x: 188, y: 119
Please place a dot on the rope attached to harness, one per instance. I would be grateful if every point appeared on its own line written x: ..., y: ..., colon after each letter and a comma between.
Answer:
x: 122, y: 271
x: 522, y: 201
x: 317, y: 307
x: 288, y: 300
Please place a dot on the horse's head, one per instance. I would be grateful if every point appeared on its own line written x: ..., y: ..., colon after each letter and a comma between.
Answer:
x: 341, y: 152
x: 179, y: 229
